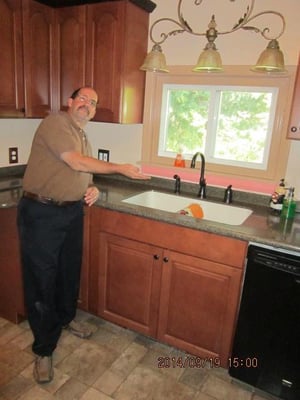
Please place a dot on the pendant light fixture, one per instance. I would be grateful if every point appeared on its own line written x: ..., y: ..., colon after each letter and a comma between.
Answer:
x: 271, y: 59
x: 210, y: 59
x: 155, y: 60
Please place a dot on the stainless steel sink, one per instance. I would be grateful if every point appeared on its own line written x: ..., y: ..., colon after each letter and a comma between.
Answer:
x: 223, y: 213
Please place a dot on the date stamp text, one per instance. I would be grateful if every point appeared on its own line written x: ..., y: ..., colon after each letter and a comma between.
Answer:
x: 188, y: 362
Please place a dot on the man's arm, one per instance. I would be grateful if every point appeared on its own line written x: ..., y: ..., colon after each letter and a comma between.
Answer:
x: 78, y: 162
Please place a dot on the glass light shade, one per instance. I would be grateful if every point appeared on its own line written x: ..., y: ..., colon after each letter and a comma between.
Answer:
x: 271, y: 59
x: 209, y: 61
x: 155, y: 61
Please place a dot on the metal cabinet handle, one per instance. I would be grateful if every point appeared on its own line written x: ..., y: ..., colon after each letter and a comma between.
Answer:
x: 156, y: 257
x: 165, y: 259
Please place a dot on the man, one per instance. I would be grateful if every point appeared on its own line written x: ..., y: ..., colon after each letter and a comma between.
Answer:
x: 57, y: 181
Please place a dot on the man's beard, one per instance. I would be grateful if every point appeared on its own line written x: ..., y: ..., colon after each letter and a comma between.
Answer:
x: 88, y: 113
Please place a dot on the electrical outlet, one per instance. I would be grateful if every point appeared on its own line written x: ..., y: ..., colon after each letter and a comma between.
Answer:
x: 13, y: 156
x: 103, y: 155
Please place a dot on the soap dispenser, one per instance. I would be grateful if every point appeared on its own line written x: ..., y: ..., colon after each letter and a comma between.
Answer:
x: 289, y: 205
x: 277, y: 198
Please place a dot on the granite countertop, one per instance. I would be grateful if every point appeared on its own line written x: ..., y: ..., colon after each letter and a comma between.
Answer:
x: 10, y: 191
x: 260, y: 227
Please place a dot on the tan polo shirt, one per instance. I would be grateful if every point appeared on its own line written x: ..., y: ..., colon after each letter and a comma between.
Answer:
x: 46, y: 174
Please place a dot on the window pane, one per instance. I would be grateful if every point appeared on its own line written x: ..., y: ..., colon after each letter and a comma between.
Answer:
x: 243, y: 125
x: 184, y: 124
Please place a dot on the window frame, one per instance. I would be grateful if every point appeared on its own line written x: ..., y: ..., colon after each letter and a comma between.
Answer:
x: 233, y: 75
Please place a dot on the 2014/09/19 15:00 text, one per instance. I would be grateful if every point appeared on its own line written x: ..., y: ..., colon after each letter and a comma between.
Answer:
x: 209, y: 362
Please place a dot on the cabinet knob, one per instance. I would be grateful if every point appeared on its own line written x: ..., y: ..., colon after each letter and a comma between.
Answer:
x: 165, y: 259
x: 294, y: 129
x: 156, y: 257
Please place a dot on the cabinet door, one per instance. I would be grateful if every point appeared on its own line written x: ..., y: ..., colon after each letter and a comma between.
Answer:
x: 104, y: 46
x: 39, y: 57
x: 129, y: 282
x: 85, y: 268
x: 133, y: 56
x: 117, y: 37
x: 11, y: 287
x: 294, y: 125
x: 70, y: 48
x: 198, y: 306
x: 11, y: 61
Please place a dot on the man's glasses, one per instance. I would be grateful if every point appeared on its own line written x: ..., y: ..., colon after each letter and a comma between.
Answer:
x: 85, y: 99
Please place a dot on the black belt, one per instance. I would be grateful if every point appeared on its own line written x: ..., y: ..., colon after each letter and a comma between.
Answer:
x: 47, y: 200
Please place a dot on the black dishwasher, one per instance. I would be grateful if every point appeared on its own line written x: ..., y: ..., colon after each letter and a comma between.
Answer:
x: 266, y: 348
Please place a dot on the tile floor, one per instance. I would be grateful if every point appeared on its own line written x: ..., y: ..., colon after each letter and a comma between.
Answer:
x: 114, y: 364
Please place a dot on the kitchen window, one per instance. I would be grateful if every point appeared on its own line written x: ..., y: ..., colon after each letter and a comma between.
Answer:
x: 238, y: 119
x: 231, y: 125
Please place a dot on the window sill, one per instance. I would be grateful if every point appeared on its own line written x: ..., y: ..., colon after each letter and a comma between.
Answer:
x: 192, y: 175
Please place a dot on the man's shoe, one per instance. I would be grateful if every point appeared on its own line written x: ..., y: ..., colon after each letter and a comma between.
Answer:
x: 79, y: 329
x: 43, y: 369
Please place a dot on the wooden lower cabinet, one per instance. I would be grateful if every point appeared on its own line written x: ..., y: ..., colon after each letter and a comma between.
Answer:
x: 129, y: 286
x: 198, y: 305
x: 178, y: 285
x: 84, y: 279
x: 11, y: 288
x: 12, y: 305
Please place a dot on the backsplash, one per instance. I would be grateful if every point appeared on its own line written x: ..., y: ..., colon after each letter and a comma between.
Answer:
x: 123, y: 141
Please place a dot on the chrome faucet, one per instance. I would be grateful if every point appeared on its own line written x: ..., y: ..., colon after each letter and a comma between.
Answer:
x: 202, y: 180
x: 228, y: 195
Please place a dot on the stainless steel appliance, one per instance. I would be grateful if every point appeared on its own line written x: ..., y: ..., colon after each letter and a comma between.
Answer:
x: 266, y: 349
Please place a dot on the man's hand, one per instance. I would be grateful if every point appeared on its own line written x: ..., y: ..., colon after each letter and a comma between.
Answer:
x: 91, y: 195
x: 132, y: 172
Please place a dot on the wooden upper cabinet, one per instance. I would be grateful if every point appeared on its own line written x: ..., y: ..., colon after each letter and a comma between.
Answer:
x: 70, y: 39
x: 50, y: 52
x: 11, y: 60
x: 39, y: 60
x: 103, y: 47
x: 116, y: 46
x: 294, y: 125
